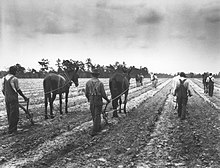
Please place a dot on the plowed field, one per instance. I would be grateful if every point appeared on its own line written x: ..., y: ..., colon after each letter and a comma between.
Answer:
x: 150, y: 135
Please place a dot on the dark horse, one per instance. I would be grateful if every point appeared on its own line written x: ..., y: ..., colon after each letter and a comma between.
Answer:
x: 119, y: 85
x: 205, y: 84
x: 58, y: 84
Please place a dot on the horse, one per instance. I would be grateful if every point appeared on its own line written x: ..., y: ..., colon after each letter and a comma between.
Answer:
x: 54, y: 84
x: 205, y: 84
x: 119, y: 85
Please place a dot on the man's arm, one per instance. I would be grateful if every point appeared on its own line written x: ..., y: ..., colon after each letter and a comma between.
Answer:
x: 189, y: 89
x: 16, y: 85
x: 87, y: 91
x: 3, y: 86
x: 103, y: 93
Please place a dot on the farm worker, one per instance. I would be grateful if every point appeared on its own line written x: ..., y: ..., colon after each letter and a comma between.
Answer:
x: 205, y: 84
x: 137, y: 78
x: 141, y: 78
x: 153, y: 79
x: 94, y: 93
x: 210, y: 80
x: 182, y: 91
x: 11, y: 90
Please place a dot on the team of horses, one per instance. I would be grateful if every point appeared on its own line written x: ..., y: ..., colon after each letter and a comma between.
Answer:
x: 54, y: 84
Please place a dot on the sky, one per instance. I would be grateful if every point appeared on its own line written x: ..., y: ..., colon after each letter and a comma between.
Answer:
x: 166, y: 36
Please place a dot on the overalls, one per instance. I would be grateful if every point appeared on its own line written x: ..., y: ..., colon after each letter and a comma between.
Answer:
x: 12, y: 108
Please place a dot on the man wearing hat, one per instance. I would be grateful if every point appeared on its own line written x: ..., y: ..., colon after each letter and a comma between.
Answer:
x: 11, y: 90
x: 94, y: 93
x: 182, y: 91
x: 210, y: 80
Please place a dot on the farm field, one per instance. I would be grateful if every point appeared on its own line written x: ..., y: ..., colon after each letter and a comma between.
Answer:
x: 151, y: 135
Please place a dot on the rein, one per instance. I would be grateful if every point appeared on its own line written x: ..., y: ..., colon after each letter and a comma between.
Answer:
x: 120, y: 94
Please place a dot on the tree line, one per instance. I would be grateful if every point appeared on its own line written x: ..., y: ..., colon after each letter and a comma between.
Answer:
x: 85, y: 69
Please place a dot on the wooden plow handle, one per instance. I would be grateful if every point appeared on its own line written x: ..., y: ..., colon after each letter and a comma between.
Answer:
x: 26, y: 110
x: 104, y: 114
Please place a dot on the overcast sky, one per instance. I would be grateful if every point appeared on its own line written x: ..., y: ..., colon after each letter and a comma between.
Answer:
x: 165, y: 36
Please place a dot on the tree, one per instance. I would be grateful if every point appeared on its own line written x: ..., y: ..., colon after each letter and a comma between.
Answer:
x: 89, y: 64
x: 20, y: 69
x: 44, y: 64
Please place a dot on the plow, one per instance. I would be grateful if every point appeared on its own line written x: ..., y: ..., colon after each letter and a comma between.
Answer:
x: 24, y: 105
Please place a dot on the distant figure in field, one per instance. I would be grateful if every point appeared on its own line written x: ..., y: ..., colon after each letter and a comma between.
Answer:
x: 182, y: 91
x: 11, y: 89
x: 154, y: 80
x: 141, y: 78
x: 137, y: 78
x: 210, y: 80
x: 205, y: 84
x: 95, y: 92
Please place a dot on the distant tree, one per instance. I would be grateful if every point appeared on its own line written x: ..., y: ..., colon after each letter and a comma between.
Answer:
x: 89, y: 64
x: 44, y: 65
x: 20, y: 69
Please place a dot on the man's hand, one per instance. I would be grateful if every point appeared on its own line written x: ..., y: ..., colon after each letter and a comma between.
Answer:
x: 108, y: 101
x: 26, y: 99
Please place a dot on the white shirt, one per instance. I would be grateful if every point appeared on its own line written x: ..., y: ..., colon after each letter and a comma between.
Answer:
x: 14, y: 82
x: 208, y: 78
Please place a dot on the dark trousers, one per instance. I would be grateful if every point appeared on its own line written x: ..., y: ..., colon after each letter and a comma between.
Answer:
x: 96, y: 111
x: 211, y: 88
x: 12, y: 109
x: 181, y: 107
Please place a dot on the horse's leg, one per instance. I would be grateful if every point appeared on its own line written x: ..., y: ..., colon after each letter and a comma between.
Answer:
x: 51, y: 105
x: 125, y: 102
x: 46, y: 103
x: 60, y: 97
x: 120, y: 102
x: 66, y: 102
x: 114, y: 105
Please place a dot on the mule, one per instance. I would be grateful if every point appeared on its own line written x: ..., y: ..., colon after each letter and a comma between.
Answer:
x: 54, y: 84
x: 119, y: 85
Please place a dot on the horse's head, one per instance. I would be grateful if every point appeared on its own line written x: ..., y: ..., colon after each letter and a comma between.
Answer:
x: 73, y: 75
x: 127, y: 73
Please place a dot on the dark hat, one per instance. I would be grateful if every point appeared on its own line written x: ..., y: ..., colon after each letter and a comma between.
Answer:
x: 95, y: 72
x: 182, y: 74
x: 13, y: 70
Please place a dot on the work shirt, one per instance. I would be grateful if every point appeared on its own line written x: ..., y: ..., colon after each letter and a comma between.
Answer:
x: 9, y: 88
x: 210, y: 78
x: 14, y: 82
x: 95, y: 91
x: 153, y: 77
x: 186, y: 85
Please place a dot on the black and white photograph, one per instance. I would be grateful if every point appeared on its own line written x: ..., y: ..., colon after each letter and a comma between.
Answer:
x: 110, y: 84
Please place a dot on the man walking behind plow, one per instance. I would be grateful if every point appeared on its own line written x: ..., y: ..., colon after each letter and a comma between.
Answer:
x: 94, y: 93
x: 11, y: 90
x: 182, y: 91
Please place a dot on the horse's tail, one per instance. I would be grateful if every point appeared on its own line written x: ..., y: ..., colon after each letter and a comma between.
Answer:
x: 47, y: 86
